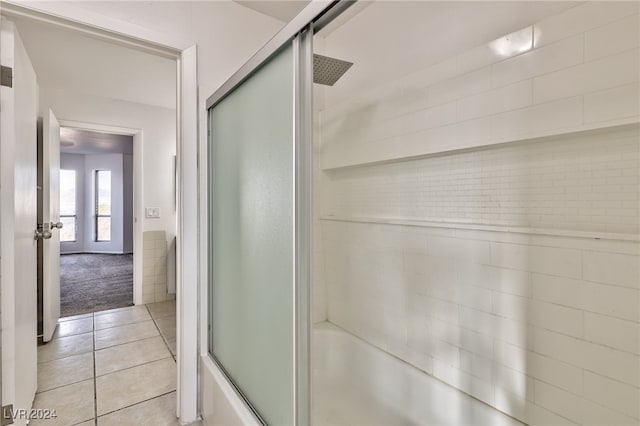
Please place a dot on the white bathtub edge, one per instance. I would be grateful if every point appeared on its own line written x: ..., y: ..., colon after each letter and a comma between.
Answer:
x: 221, y: 404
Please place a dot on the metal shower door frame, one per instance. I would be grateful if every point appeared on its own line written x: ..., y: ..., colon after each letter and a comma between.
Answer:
x: 317, y: 14
x: 300, y: 31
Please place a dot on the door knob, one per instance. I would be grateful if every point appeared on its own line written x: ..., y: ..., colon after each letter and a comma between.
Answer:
x: 41, y: 235
x: 43, y: 232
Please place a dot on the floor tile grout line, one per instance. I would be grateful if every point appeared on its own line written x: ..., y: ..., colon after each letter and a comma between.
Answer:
x: 137, y: 403
x: 70, y: 317
x: 99, y: 329
x: 115, y: 310
x: 151, y: 318
x: 94, y: 330
x: 126, y: 343
x: 93, y: 350
x: 67, y: 356
x: 137, y: 365
x: 122, y: 325
x: 65, y: 385
x: 164, y: 339
x: 64, y: 357
x: 91, y: 314
x: 104, y: 328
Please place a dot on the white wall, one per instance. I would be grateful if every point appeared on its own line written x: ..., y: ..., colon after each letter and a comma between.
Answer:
x: 159, y: 143
x: 489, y: 234
x: 76, y: 162
x: 227, y: 34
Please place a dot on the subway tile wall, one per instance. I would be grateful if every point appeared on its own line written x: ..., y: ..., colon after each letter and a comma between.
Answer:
x: 544, y: 328
x: 543, y: 323
x: 587, y: 182
x: 582, y: 73
x: 154, y: 276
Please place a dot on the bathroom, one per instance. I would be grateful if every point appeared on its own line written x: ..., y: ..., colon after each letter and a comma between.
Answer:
x: 450, y: 233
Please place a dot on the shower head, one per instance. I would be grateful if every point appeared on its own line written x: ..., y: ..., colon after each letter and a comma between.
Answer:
x: 328, y: 70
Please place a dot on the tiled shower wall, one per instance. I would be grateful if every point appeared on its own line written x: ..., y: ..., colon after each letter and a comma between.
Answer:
x: 154, y: 275
x: 544, y: 328
x: 579, y: 182
x: 509, y: 271
x: 582, y: 73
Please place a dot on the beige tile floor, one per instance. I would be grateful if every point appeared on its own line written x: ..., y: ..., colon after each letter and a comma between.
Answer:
x: 114, y: 367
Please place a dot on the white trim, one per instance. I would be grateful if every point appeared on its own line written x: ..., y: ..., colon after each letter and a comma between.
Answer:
x: 138, y: 194
x: 222, y: 403
x: 187, y: 240
x: 96, y: 25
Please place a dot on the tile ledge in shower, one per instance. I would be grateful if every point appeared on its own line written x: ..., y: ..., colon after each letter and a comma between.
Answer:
x: 629, y: 123
x: 487, y: 227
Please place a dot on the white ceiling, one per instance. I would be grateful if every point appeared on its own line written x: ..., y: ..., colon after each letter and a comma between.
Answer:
x: 66, y: 59
x: 76, y: 141
x: 283, y: 10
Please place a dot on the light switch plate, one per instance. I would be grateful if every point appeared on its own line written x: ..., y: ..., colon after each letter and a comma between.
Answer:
x: 152, y: 212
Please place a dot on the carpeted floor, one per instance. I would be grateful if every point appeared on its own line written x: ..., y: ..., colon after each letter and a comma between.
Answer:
x: 95, y: 282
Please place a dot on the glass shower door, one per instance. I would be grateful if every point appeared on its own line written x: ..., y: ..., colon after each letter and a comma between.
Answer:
x: 252, y: 237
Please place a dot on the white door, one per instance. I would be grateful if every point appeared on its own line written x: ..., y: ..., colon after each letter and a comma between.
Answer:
x: 50, y: 220
x: 18, y: 180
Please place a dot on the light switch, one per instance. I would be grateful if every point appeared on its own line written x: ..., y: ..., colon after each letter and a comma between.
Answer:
x: 152, y: 212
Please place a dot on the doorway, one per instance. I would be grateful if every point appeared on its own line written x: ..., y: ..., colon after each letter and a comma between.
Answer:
x: 181, y: 210
x: 94, y: 205
x: 96, y: 210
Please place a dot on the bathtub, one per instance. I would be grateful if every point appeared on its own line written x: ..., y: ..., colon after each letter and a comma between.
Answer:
x: 355, y: 383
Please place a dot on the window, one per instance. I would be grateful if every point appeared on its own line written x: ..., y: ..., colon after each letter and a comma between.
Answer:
x: 103, y: 205
x: 68, y: 205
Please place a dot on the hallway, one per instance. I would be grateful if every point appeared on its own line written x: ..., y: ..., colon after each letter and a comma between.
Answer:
x: 114, y: 367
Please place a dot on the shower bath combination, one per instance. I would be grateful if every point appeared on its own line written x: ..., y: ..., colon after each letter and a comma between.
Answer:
x: 474, y: 230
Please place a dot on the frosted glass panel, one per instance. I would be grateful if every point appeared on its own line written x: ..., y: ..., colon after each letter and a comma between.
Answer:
x: 251, y: 237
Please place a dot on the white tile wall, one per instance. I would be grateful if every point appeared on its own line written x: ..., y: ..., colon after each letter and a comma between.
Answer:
x: 582, y: 182
x: 581, y: 19
x: 582, y: 73
x: 154, y: 278
x: 543, y: 60
x: 611, y: 71
x: 608, y: 104
x: 529, y: 329
x: 543, y: 327
x: 495, y: 51
x: 619, y: 36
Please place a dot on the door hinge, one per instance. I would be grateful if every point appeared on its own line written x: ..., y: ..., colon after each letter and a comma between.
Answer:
x: 6, y: 76
x: 7, y: 415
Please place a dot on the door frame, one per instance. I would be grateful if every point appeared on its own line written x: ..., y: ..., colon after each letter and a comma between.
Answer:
x: 187, y: 140
x: 138, y: 207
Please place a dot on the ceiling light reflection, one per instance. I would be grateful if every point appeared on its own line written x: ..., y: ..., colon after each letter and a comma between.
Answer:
x: 514, y: 43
